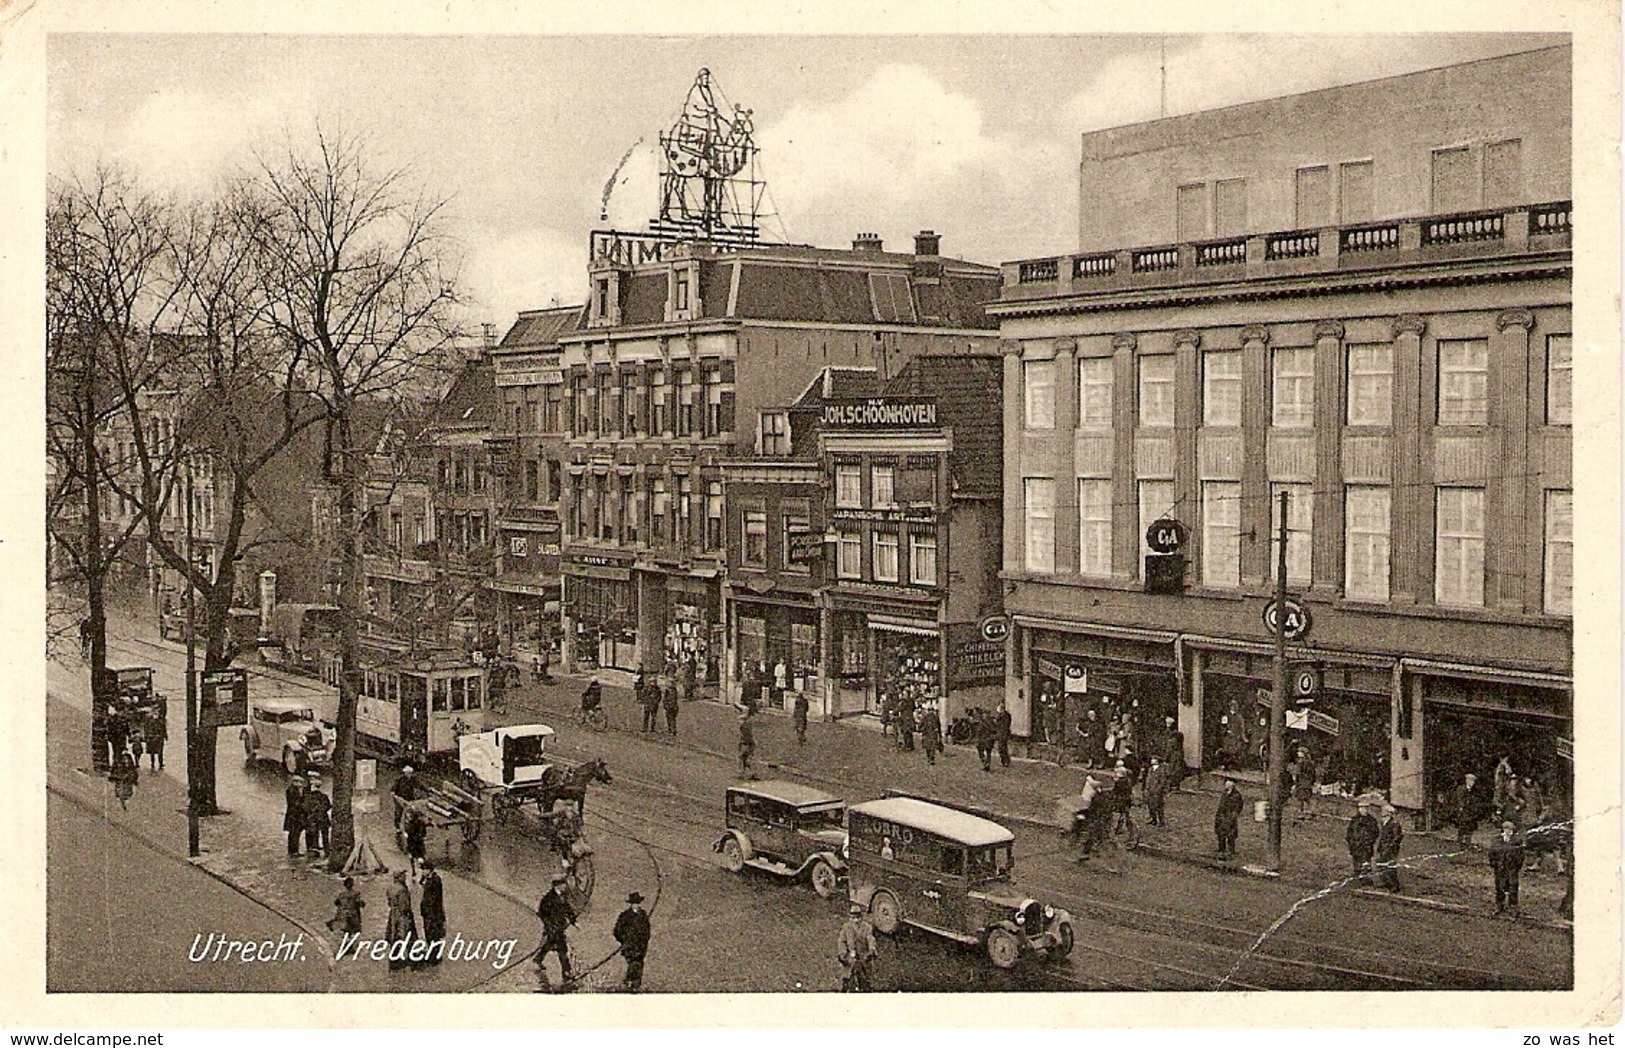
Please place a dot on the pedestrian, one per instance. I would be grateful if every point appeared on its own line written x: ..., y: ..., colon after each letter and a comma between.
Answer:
x: 855, y: 949
x: 1303, y: 784
x: 347, y: 907
x: 1123, y: 801
x: 668, y: 702
x: 1506, y: 860
x: 402, y: 927
x: 801, y: 717
x: 432, y: 905
x: 557, y: 915
x: 1174, y: 752
x: 747, y: 743
x: 293, y: 814
x: 905, y: 722
x: 1227, y: 819
x: 632, y: 932
x: 1390, y: 833
x: 416, y: 832
x: 648, y: 698
x: 987, y: 738
x: 1001, y: 725
x: 1467, y: 808
x: 1086, y: 818
x: 157, y: 731
x: 402, y: 790
x: 124, y: 775
x: 781, y: 683
x: 1156, y: 791
x: 318, y: 818
x: 685, y: 680
x: 930, y: 733
x: 1361, y: 838
x: 1512, y: 803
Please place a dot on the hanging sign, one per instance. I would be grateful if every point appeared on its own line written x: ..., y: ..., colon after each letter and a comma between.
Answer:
x: 224, y: 697
x: 1166, y: 535
x: 1290, y: 617
x: 1076, y: 680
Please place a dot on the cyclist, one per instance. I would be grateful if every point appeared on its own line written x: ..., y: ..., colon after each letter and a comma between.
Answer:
x: 592, y: 703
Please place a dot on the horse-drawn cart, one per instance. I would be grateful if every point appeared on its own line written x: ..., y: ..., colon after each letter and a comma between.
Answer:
x: 506, y: 771
x: 446, y: 810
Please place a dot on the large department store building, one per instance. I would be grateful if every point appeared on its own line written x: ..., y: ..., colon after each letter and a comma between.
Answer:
x: 1361, y: 297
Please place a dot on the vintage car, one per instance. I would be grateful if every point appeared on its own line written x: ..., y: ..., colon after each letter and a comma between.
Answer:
x: 786, y: 829
x: 288, y: 732
x: 514, y: 756
x: 947, y: 872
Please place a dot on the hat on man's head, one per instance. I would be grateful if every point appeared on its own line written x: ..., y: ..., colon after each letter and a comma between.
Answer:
x: 855, y: 908
x: 1509, y: 825
x: 634, y: 898
x: 406, y: 769
x: 559, y: 878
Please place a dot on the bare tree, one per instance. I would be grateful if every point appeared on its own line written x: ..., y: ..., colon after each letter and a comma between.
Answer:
x: 360, y: 285
x: 104, y: 248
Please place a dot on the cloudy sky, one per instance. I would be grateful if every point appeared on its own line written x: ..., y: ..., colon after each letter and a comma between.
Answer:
x: 975, y: 137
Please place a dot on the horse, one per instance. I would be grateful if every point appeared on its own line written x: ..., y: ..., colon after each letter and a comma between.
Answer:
x: 570, y: 785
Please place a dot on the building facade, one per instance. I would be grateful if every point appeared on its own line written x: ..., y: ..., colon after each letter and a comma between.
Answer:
x: 1403, y: 378
x: 681, y: 341
x: 528, y: 456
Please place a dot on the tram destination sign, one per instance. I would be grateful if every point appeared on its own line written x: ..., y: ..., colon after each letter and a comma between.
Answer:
x: 882, y: 413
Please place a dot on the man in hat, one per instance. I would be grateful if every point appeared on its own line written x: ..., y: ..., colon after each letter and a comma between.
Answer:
x: 318, y: 818
x: 1362, y: 841
x: 293, y: 814
x: 1389, y: 835
x: 632, y: 932
x: 855, y: 949
x: 405, y: 789
x: 557, y: 916
x: 747, y: 742
x: 1506, y: 860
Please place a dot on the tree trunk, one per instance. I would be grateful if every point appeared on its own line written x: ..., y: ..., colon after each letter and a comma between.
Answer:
x: 351, y: 583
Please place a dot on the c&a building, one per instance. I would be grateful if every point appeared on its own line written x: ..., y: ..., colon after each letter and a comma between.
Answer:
x: 1359, y: 297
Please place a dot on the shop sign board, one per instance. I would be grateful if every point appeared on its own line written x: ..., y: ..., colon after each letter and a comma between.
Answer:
x: 882, y: 413
x: 1166, y: 535
x: 1289, y: 617
x: 1049, y: 668
x: 975, y: 662
x: 224, y: 695
x: 1076, y: 680
x: 994, y: 628
x: 804, y: 545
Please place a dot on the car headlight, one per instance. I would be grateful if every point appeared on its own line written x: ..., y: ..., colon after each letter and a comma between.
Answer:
x: 1049, y: 913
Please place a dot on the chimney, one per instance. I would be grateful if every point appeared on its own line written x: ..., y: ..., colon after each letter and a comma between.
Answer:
x: 927, y: 243
x: 488, y: 334
x: 868, y: 242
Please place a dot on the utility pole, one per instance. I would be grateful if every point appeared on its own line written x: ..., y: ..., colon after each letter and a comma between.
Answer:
x: 1278, y: 700
x: 193, y: 785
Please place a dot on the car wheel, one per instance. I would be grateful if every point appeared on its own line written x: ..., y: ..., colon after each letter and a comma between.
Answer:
x: 885, y: 913
x: 823, y: 878
x: 1003, y: 948
x: 1065, y: 943
x: 291, y: 762
x: 733, y: 856
x: 248, y: 748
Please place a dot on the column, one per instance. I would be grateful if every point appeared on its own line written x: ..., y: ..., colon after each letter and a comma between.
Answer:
x: 1327, y: 525
x: 1013, y: 524
x: 1409, y: 503
x: 1257, y: 519
x: 826, y: 671
x: 1125, y: 487
x: 1187, y: 420
x: 1506, y: 506
x: 1066, y: 434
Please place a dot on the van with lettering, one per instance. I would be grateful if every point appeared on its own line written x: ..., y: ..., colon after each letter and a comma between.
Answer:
x: 947, y: 872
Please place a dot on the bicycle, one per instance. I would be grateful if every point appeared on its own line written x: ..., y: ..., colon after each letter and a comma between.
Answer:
x: 595, y: 717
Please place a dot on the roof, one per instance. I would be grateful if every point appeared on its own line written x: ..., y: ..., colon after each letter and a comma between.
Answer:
x: 839, y: 383
x: 792, y: 793
x: 542, y: 327
x: 969, y: 392
x: 281, y: 705
x: 471, y: 402
x: 956, y: 825
x: 525, y: 731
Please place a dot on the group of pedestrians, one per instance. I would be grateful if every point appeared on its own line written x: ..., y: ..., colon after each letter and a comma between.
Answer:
x: 666, y: 691
x: 307, y: 816
x: 558, y: 915
x: 1374, y: 845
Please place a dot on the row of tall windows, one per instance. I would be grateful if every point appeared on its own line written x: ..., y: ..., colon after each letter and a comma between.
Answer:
x: 687, y: 402
x: 621, y: 510
x: 1459, y: 533
x: 885, y: 563
x: 1462, y: 400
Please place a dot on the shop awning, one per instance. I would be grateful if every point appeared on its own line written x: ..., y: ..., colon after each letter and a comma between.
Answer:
x: 877, y: 622
x: 1119, y: 632
x: 1430, y: 667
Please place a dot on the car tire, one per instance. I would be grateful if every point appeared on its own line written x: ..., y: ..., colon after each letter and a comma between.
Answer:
x: 248, y: 748
x: 733, y: 855
x: 823, y: 879
x: 885, y: 912
x: 1064, y: 946
x: 1003, y: 948
x: 292, y: 761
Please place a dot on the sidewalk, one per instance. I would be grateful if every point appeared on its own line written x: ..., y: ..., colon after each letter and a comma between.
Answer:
x: 856, y: 762
x: 253, y: 861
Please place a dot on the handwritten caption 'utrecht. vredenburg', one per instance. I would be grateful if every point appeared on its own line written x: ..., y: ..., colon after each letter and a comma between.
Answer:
x: 218, y: 948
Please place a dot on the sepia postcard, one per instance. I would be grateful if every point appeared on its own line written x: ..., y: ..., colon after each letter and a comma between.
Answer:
x: 1071, y: 519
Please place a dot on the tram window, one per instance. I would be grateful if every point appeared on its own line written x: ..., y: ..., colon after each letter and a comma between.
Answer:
x: 473, y: 693
x: 442, y: 695
x: 459, y: 693
x: 392, y: 686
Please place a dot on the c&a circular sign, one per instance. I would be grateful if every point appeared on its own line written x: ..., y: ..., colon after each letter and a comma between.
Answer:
x: 995, y: 628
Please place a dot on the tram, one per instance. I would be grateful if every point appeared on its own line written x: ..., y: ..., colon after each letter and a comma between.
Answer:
x: 419, y: 705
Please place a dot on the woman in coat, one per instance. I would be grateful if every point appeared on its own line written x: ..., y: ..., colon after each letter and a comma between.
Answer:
x: 123, y: 776
x: 432, y: 905
x: 402, y: 927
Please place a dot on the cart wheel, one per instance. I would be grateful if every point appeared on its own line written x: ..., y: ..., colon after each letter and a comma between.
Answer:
x: 1003, y: 948
x: 824, y: 881
x: 583, y: 876
x: 501, y: 806
x: 885, y: 913
x: 1064, y: 947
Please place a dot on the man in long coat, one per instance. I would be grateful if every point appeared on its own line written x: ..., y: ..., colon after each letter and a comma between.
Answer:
x: 1227, y: 819
x: 556, y: 915
x: 1506, y: 860
x: 1001, y: 723
x: 402, y: 927
x: 1390, y: 833
x: 930, y: 733
x: 1156, y: 791
x: 1362, y: 841
x: 293, y: 813
x: 632, y: 932
x: 432, y: 905
x: 318, y: 818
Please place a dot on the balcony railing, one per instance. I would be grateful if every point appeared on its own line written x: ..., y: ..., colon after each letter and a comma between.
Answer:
x: 1538, y: 227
